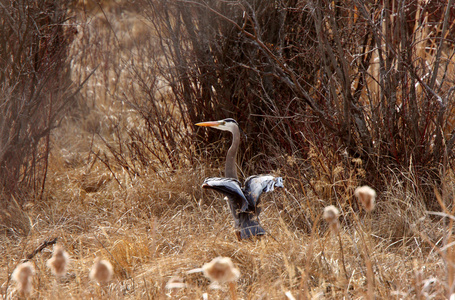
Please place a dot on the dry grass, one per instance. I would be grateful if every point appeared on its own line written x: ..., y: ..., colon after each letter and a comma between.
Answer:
x: 154, y: 230
x: 156, y: 227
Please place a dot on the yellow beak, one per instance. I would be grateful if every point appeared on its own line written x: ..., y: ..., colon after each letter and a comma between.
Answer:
x: 208, y: 124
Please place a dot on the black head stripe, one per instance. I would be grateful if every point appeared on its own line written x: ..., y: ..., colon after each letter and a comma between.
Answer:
x: 230, y: 120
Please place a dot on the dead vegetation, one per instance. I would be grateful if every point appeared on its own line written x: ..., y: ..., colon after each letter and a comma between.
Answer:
x: 331, y: 96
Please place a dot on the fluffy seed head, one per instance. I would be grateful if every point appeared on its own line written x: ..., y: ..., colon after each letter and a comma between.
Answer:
x: 23, y: 276
x: 221, y: 269
x: 101, y: 271
x: 59, y: 261
x: 366, y: 196
x: 331, y: 214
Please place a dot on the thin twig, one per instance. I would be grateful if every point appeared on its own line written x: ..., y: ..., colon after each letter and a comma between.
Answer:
x: 41, y: 247
x: 342, y: 255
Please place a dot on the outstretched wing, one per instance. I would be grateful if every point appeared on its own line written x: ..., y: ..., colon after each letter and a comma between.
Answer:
x: 257, y: 184
x: 229, y: 187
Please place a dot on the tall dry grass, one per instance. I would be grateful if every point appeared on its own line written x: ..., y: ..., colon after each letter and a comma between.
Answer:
x: 122, y: 189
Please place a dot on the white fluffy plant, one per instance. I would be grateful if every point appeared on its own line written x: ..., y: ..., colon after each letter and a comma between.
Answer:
x: 23, y: 277
x: 59, y: 261
x: 101, y: 271
x: 221, y: 270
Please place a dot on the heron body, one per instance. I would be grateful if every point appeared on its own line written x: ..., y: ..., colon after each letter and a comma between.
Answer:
x: 243, y: 201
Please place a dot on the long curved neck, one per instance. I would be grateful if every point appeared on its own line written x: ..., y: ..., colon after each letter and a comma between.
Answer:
x: 231, y: 168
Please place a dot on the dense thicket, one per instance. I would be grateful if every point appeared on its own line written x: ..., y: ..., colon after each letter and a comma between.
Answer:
x: 33, y: 89
x: 355, y: 79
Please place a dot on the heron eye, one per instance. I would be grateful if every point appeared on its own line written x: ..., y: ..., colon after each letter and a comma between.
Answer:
x: 223, y: 123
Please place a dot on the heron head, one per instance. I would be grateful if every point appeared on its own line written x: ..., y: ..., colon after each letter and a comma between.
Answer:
x: 228, y: 124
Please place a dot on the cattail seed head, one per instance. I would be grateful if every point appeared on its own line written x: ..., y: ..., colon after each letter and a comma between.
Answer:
x: 221, y: 269
x: 23, y: 276
x: 330, y: 215
x: 59, y: 261
x: 101, y: 271
x: 367, y: 197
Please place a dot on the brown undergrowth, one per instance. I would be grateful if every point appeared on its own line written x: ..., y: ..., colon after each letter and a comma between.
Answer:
x: 153, y: 230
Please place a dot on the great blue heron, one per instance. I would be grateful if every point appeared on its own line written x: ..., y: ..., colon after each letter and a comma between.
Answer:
x: 243, y: 201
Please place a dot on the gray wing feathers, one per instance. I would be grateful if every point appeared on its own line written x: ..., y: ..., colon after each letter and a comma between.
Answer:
x: 257, y: 184
x: 229, y: 187
x: 243, y: 202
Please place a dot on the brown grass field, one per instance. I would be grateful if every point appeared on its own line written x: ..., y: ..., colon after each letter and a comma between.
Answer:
x: 156, y: 227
